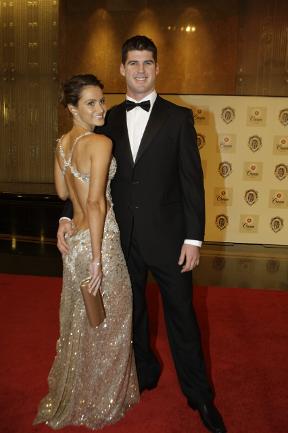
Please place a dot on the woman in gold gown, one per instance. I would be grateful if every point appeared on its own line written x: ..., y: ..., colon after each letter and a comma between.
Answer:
x: 93, y: 379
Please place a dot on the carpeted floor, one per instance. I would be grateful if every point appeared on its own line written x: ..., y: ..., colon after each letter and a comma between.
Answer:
x: 245, y: 335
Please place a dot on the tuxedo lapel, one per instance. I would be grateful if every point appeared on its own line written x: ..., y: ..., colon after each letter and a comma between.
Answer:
x: 156, y: 119
x: 121, y: 133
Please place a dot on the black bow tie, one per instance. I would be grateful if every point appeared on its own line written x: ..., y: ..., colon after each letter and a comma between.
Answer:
x: 144, y: 104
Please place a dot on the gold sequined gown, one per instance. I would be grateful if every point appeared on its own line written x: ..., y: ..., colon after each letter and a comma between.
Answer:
x: 93, y: 379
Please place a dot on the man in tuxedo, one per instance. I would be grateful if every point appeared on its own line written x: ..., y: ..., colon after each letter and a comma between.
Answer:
x: 158, y: 198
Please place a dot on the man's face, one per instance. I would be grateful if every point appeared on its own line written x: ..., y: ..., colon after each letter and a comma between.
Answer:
x: 140, y: 71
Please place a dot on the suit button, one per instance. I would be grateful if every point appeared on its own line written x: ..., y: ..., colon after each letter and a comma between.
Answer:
x: 135, y: 182
x: 136, y: 207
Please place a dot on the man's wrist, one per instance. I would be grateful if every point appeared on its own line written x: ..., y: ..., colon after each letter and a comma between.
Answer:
x: 193, y: 242
x: 64, y: 218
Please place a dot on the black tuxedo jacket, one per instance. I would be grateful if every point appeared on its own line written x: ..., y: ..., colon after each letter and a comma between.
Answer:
x: 160, y: 197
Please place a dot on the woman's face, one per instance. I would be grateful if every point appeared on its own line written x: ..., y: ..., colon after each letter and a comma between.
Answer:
x: 90, y: 110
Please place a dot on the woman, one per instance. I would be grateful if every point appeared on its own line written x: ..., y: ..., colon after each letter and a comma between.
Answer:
x: 93, y: 378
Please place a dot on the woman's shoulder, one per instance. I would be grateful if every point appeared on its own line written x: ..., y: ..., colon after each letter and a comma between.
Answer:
x: 98, y: 138
x: 96, y: 142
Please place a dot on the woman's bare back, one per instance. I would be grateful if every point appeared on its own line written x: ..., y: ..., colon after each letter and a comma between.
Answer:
x: 75, y: 155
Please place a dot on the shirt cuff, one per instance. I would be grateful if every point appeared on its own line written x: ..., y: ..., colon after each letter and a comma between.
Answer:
x: 193, y: 242
x: 64, y: 218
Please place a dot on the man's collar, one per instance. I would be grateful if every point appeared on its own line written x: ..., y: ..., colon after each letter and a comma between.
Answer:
x: 151, y: 97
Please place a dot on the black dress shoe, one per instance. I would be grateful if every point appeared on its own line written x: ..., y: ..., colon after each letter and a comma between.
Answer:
x: 211, y: 417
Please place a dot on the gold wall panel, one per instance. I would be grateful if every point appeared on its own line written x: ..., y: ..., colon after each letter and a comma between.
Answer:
x: 28, y: 90
x: 263, y: 48
x: 228, y: 47
x: 197, y: 41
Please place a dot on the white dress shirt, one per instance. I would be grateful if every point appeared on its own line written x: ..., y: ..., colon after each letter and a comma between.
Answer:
x: 137, y: 120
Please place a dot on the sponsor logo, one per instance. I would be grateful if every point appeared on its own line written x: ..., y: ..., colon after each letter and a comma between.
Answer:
x: 278, y: 199
x: 252, y: 170
x: 226, y: 143
x: 280, y: 145
x: 223, y: 196
x: 272, y: 266
x: 251, y: 196
x: 256, y: 116
x: 201, y: 141
x: 222, y: 221
x: 225, y: 168
x: 276, y: 224
x: 255, y: 143
x: 283, y: 116
x: 201, y: 115
x: 281, y: 171
x: 249, y: 223
x: 228, y: 114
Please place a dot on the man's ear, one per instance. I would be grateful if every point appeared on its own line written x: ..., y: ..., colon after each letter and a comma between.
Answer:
x: 122, y: 70
x: 157, y: 69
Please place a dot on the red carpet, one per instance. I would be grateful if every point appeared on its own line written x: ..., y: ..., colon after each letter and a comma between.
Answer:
x: 245, y: 334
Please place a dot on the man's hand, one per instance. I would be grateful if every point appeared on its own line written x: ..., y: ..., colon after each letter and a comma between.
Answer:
x: 65, y: 226
x: 189, y: 257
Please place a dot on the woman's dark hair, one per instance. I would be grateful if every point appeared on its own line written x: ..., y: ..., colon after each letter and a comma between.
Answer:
x: 71, y: 89
x: 138, y: 43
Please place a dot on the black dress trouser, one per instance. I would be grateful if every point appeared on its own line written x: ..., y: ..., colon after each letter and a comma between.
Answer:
x: 182, y: 327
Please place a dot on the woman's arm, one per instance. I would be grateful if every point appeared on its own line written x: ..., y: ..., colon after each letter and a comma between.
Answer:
x: 100, y: 154
x: 60, y: 184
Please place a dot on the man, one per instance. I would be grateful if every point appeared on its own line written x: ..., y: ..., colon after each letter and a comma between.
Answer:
x: 158, y: 198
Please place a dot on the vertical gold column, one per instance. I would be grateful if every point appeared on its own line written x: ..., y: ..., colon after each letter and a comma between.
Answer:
x: 29, y: 88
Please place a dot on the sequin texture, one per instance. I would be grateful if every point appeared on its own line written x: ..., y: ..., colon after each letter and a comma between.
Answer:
x: 93, y: 379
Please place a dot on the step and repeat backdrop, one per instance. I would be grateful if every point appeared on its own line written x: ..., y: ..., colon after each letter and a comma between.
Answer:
x: 243, y: 143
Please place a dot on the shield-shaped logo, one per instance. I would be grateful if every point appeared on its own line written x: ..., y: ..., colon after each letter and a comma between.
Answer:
x: 221, y: 221
x: 251, y: 196
x: 276, y: 224
x: 255, y: 143
x: 201, y: 141
x: 281, y: 171
x: 283, y: 116
x: 228, y: 114
x: 225, y: 168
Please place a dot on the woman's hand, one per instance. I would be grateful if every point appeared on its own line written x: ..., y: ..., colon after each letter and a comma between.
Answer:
x: 96, y: 276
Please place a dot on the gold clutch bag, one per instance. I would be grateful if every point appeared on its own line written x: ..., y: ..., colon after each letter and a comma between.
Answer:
x: 94, y: 304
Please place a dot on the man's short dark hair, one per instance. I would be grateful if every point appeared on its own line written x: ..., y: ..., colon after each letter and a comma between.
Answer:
x: 139, y: 43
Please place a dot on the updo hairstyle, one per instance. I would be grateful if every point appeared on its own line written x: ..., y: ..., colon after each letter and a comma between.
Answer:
x: 71, y: 89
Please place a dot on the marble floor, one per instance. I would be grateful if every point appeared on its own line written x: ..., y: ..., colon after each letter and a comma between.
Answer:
x: 229, y: 265
x: 28, y: 224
